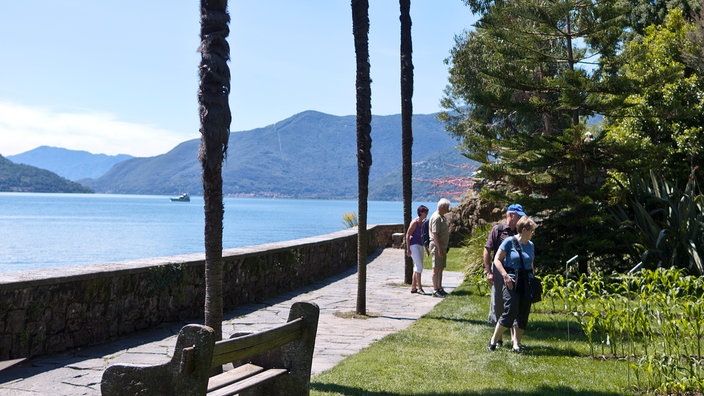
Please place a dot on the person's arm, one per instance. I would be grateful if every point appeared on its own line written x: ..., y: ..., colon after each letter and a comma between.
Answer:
x: 487, y: 256
x: 487, y: 266
x: 499, y: 264
x: 411, y: 229
x: 434, y: 236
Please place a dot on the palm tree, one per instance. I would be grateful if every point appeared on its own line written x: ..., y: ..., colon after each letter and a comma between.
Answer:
x: 215, y: 120
x: 407, y: 123
x: 360, y: 29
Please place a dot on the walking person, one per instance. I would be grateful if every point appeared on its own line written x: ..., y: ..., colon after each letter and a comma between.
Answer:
x: 498, y: 233
x: 439, y: 242
x: 415, y: 248
x: 514, y: 261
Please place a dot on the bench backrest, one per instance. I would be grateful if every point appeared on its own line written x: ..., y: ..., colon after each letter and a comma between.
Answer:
x: 244, y: 347
x: 289, y: 346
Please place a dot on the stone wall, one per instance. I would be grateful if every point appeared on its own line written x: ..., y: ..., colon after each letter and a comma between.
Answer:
x: 49, y: 311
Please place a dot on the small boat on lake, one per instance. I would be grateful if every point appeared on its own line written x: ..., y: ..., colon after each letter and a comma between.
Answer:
x: 181, y: 198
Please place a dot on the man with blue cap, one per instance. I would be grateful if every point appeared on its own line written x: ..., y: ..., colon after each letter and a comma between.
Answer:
x: 498, y: 233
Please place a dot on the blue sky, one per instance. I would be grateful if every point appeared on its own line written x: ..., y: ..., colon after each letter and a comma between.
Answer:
x: 120, y: 76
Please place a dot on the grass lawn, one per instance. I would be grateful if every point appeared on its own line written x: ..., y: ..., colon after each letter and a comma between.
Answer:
x: 444, y: 353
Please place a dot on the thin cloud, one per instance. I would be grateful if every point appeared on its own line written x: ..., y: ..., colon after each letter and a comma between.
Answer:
x: 24, y: 128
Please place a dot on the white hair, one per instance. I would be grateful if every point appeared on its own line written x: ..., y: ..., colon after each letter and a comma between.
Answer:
x: 443, y: 202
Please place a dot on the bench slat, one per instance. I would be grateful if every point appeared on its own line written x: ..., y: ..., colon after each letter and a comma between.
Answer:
x: 248, y: 383
x: 240, y: 348
x: 234, y: 375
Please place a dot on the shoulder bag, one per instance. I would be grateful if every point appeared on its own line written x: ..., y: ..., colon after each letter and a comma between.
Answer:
x: 535, y: 286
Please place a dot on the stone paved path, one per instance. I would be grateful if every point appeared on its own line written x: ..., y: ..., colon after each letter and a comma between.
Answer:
x: 390, y: 305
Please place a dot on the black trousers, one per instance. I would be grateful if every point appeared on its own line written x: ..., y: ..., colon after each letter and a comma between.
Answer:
x: 516, y: 306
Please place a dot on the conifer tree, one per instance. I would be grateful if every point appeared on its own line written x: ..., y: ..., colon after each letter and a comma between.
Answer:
x: 522, y: 87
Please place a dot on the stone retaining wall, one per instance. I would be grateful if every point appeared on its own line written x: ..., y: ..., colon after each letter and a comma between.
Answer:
x: 49, y: 311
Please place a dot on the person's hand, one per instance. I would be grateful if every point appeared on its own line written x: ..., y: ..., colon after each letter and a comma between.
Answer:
x: 408, y: 253
x: 508, y: 281
x: 490, y: 278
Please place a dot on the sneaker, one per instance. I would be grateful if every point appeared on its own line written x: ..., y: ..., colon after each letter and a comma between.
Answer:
x: 491, y: 347
x: 517, y: 349
x: 437, y: 293
x: 421, y: 291
x: 500, y: 343
x: 443, y: 292
x: 414, y: 291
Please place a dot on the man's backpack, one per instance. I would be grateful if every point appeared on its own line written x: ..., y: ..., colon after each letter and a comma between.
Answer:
x: 425, y: 234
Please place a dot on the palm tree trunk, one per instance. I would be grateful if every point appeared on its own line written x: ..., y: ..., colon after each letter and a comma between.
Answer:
x: 407, y: 124
x: 215, y: 121
x: 360, y: 30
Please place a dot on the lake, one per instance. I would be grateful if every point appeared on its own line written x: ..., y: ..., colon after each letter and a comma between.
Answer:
x: 51, y: 230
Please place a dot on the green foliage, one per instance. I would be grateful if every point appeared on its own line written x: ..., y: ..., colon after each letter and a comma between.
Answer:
x: 694, y: 53
x: 473, y: 249
x: 660, y: 125
x: 524, y: 83
x: 653, y: 319
x: 646, y: 13
x: 669, y: 223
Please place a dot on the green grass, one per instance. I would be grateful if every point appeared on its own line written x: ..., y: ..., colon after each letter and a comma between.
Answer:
x: 444, y: 353
x: 458, y: 260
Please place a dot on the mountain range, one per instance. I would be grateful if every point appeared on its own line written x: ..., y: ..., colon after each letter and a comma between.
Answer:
x: 71, y: 164
x: 309, y: 155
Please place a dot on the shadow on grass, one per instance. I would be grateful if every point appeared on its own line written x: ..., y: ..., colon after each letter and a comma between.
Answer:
x: 542, y: 391
x: 540, y: 330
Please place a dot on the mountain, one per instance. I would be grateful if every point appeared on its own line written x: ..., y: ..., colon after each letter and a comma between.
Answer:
x: 26, y: 178
x: 71, y: 164
x: 309, y: 155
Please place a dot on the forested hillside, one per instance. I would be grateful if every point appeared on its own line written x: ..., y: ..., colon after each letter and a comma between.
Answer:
x: 25, y: 178
x: 309, y: 155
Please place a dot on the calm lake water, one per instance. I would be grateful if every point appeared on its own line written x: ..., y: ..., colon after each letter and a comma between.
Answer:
x: 51, y: 230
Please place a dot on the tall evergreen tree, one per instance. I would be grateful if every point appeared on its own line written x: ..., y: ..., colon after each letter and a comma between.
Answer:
x: 522, y: 86
x: 215, y: 121
x: 360, y: 29
x: 407, y: 123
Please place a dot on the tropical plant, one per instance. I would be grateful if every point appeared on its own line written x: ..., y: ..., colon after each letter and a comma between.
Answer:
x: 360, y: 30
x: 215, y: 118
x: 669, y: 223
x: 349, y: 220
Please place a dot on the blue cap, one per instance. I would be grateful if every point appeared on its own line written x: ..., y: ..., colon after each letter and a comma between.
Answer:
x: 516, y: 208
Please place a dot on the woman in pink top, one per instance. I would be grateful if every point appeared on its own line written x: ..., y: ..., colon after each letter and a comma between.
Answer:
x: 415, y: 248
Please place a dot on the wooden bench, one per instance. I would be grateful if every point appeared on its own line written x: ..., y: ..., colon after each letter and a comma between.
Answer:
x: 272, y: 362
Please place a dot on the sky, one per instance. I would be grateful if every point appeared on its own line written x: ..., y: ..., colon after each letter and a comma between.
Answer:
x: 121, y: 76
